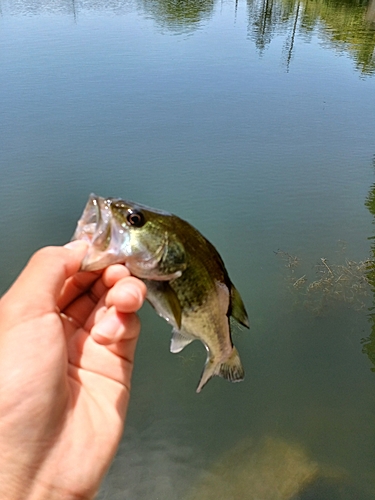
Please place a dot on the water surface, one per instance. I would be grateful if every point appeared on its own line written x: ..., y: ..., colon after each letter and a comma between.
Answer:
x: 254, y: 121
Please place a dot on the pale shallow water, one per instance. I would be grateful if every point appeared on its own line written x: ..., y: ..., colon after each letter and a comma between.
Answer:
x: 257, y: 127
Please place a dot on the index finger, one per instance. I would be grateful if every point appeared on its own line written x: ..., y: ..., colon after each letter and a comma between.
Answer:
x: 83, y: 291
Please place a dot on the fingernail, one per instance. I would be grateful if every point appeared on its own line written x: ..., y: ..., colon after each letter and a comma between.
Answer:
x: 135, y: 293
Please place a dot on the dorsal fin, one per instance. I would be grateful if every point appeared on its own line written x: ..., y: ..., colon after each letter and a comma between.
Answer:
x: 237, y: 308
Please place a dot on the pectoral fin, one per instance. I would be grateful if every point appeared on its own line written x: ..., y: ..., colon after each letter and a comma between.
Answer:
x: 238, y: 310
x: 164, y: 300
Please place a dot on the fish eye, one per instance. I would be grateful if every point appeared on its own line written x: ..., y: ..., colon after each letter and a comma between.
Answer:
x: 135, y: 218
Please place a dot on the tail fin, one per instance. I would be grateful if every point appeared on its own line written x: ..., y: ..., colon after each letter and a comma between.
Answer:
x: 231, y: 369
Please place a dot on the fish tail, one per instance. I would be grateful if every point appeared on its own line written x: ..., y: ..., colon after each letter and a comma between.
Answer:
x: 231, y: 369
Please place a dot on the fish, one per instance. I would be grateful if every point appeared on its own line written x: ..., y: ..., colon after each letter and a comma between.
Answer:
x: 186, y: 279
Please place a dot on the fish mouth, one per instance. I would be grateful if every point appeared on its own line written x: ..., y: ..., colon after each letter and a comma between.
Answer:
x: 93, y: 225
x: 96, y: 227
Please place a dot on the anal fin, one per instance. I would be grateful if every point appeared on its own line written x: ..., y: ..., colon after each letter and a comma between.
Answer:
x: 179, y: 341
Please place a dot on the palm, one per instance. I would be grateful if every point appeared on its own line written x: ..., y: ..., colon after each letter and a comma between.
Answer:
x: 76, y: 393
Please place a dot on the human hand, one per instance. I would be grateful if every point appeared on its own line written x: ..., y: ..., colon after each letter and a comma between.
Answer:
x: 67, y: 343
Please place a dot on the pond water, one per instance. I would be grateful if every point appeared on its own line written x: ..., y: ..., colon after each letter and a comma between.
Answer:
x: 254, y: 121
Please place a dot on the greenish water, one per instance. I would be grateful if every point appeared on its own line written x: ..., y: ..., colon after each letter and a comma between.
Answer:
x: 254, y: 121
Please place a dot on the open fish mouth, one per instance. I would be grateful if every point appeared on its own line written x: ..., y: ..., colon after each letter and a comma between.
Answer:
x: 93, y: 225
x: 98, y: 228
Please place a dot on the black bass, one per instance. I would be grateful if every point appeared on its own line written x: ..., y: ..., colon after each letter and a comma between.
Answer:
x: 187, y: 283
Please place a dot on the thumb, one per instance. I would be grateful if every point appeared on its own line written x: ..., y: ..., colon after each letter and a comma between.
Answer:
x: 36, y: 290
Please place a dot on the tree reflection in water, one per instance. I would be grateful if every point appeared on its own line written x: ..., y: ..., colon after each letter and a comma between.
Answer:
x: 179, y: 15
x: 344, y: 25
x: 369, y: 342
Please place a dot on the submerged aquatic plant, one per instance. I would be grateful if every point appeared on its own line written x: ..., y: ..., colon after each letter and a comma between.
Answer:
x: 348, y: 282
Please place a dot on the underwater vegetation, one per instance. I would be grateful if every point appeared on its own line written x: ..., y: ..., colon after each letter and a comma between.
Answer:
x: 346, y: 282
x: 349, y: 282
x: 273, y: 469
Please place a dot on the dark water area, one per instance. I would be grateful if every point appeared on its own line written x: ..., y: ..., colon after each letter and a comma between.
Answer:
x: 255, y: 122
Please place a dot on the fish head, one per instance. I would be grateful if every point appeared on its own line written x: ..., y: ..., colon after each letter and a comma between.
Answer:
x: 140, y: 237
